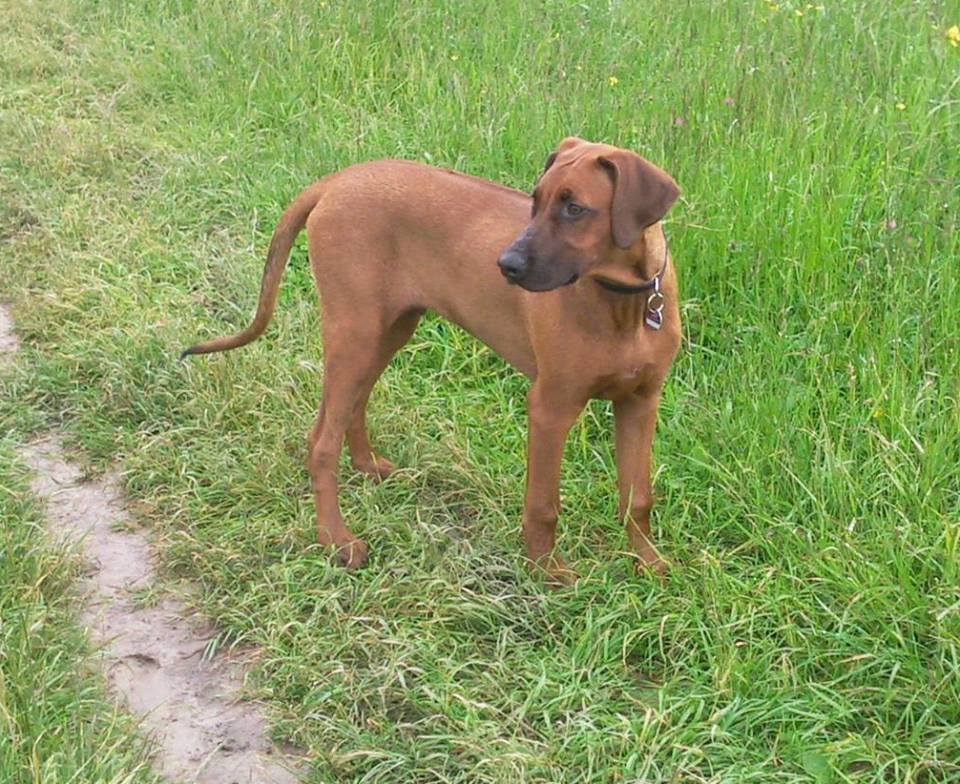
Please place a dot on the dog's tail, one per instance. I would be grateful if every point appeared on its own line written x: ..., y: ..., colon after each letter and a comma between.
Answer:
x: 290, y: 225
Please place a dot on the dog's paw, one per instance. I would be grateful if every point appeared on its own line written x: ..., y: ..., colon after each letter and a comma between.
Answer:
x: 353, y: 554
x: 555, y: 571
x: 651, y: 564
x: 376, y: 468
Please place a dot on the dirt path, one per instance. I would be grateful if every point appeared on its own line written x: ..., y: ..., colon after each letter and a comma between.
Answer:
x: 8, y: 340
x: 151, y: 653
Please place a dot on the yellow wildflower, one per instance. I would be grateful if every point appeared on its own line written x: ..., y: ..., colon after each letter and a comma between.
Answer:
x: 901, y: 106
x: 614, y: 81
x: 953, y: 35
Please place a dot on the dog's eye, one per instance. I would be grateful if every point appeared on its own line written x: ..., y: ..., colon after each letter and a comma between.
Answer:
x: 573, y: 210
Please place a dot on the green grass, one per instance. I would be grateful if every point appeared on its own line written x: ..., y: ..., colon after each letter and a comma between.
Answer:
x: 809, y: 446
x: 55, y: 724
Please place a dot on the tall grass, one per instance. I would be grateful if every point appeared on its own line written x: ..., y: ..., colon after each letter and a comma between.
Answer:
x: 808, y: 450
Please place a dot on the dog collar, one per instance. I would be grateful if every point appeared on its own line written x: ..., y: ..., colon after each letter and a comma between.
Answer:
x: 656, y: 300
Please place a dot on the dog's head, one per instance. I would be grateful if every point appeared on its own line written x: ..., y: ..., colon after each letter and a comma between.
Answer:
x: 591, y: 211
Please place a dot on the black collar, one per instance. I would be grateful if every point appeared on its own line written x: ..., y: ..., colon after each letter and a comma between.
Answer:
x: 646, y: 286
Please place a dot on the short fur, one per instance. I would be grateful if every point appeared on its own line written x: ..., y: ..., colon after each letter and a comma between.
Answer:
x: 389, y: 240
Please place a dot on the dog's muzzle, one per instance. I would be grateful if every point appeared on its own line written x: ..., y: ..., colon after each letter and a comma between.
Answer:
x: 513, y: 264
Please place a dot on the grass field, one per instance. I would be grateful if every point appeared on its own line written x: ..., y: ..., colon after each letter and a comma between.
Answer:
x: 809, y: 447
x: 55, y: 725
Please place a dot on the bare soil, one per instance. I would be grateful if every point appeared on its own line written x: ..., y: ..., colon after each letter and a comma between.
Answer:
x: 151, y: 647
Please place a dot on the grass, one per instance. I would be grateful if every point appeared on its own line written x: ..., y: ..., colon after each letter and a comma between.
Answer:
x: 55, y: 724
x: 808, y: 451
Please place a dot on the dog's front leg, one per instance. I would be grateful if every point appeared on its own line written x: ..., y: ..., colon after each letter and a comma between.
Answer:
x: 636, y: 420
x: 550, y: 417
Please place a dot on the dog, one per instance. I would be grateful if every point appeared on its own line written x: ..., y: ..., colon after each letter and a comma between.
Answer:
x: 573, y: 286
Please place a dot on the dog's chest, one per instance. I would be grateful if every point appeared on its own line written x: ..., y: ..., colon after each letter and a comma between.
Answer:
x: 635, y: 367
x: 628, y: 380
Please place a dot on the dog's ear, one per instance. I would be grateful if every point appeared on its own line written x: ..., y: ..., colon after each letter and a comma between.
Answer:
x: 567, y: 144
x: 642, y: 194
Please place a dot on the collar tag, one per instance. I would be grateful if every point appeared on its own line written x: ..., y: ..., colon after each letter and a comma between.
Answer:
x: 655, y: 303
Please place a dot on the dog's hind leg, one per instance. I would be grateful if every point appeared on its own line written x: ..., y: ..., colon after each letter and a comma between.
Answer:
x: 362, y: 455
x: 347, y: 376
x: 355, y: 355
x: 358, y: 442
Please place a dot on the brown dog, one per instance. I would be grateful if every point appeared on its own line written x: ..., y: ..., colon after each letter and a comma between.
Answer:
x: 592, y: 312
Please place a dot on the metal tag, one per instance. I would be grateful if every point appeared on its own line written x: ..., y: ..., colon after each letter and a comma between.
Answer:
x: 655, y: 303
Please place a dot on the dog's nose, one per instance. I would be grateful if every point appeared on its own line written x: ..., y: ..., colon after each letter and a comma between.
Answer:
x: 513, y: 264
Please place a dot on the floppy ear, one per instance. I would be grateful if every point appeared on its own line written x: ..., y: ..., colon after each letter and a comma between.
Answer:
x: 642, y: 194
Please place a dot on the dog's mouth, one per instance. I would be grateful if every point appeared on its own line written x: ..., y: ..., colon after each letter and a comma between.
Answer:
x: 538, y: 286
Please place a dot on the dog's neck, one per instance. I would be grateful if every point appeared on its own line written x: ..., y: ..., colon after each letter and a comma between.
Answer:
x: 623, y: 288
x: 638, y: 268
x: 639, y: 306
